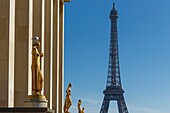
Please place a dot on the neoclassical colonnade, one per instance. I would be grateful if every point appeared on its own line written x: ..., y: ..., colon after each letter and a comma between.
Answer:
x: 20, y: 20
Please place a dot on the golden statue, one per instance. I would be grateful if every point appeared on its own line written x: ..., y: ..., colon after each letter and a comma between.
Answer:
x: 37, y: 79
x: 68, y: 101
x: 79, y: 107
x: 82, y: 111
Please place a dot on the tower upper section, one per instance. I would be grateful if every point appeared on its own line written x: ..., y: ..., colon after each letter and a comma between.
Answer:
x: 113, y: 79
x: 113, y: 13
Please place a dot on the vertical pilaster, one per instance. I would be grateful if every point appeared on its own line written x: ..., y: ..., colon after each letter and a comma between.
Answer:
x: 55, y: 75
x: 21, y: 51
x: 30, y: 35
x: 61, y: 57
x: 11, y: 53
x: 51, y: 56
x: 42, y: 38
x: 4, y: 48
x: 47, y: 49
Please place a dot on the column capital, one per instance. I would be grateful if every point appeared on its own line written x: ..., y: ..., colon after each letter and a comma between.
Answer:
x: 62, y: 1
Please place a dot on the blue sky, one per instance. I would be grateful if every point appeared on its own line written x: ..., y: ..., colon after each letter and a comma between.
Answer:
x: 144, y: 53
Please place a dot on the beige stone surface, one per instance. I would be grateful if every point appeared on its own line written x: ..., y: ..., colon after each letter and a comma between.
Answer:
x: 19, y: 71
x: 48, y: 24
x: 4, y: 8
x: 22, y: 15
x: 19, y: 97
x: 4, y: 28
x: 21, y: 48
x: 4, y: 49
x: 4, y: 12
x: 4, y: 70
x: 4, y: 92
x: 22, y: 34
x: 55, y: 66
x: 21, y: 52
x: 37, y: 18
x: 47, y: 50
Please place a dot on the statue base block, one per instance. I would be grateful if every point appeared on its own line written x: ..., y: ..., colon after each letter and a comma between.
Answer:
x: 26, y: 110
x: 36, y: 101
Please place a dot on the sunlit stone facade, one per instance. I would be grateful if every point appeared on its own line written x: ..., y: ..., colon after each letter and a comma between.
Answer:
x: 20, y: 20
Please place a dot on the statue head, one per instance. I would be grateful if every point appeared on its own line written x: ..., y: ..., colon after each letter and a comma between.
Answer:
x: 35, y: 42
x: 69, y: 84
x: 79, y: 101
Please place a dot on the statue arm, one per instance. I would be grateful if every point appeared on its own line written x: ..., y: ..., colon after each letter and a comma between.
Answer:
x: 67, y: 90
x: 79, y: 107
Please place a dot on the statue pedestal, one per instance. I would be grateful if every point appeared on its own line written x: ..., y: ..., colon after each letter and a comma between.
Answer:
x: 36, y: 101
x: 25, y: 110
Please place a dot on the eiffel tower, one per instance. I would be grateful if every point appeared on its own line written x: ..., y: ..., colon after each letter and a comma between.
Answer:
x: 113, y: 91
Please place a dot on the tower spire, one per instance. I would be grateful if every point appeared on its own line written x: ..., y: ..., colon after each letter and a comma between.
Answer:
x: 114, y: 4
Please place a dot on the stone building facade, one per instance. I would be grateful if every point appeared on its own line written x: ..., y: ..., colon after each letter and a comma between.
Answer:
x: 20, y: 20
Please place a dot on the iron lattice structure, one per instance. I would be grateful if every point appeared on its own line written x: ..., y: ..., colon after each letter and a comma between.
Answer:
x: 113, y: 91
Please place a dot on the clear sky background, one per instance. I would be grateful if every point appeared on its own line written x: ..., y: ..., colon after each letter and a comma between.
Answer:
x: 144, y: 53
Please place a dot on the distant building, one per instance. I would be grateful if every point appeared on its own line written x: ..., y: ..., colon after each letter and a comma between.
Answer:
x: 21, y: 20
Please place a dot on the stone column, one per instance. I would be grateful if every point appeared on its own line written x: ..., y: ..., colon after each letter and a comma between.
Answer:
x: 4, y: 48
x: 58, y: 55
x: 47, y: 51
x: 11, y: 53
x: 51, y: 55
x: 30, y: 35
x: 42, y: 38
x: 21, y: 51
x: 61, y: 57
x: 55, y: 74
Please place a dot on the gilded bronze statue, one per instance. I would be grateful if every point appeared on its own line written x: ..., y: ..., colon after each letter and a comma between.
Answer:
x: 37, y: 79
x: 82, y: 111
x: 68, y: 101
x: 37, y: 99
x: 79, y: 107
